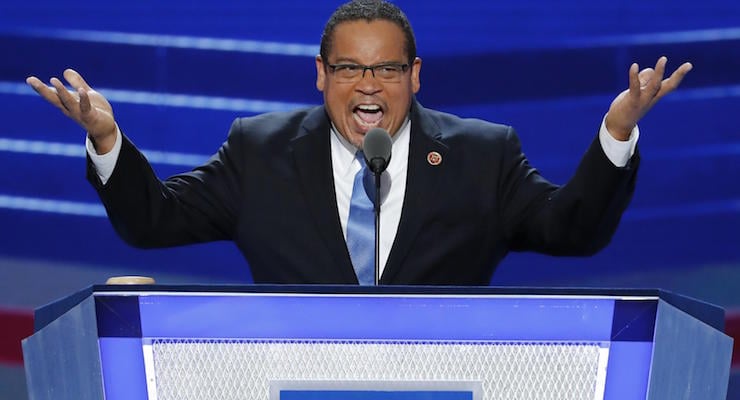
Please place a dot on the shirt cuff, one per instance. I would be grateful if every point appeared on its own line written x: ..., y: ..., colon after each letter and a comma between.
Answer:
x: 617, y: 151
x: 104, y: 163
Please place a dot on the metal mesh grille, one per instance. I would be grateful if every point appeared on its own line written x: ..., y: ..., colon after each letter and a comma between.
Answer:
x: 225, y: 369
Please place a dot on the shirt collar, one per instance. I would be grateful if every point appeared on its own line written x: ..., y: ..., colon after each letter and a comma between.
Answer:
x: 343, y: 152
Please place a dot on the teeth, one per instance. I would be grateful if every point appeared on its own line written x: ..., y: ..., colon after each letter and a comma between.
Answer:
x: 369, y: 107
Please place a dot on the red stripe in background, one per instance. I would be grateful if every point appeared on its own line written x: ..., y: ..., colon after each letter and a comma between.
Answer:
x: 15, y: 325
x: 732, y: 328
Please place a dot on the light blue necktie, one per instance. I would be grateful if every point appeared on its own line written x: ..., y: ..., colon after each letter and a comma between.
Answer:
x: 361, y: 224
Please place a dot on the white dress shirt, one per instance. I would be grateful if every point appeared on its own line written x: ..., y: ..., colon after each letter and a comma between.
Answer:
x: 392, y: 184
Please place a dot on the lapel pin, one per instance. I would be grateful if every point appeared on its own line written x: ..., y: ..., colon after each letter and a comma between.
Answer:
x: 434, y: 158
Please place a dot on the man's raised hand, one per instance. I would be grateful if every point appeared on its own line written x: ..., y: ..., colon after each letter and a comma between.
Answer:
x: 83, y: 105
x: 646, y: 88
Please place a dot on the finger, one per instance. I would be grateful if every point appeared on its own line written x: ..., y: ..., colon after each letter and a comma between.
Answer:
x: 672, y: 82
x: 68, y: 100
x: 86, y: 110
x: 677, y: 76
x: 660, y: 68
x: 48, y: 93
x: 634, y: 90
x: 75, y: 79
x: 34, y: 82
x: 646, y: 76
x: 652, y: 79
x: 654, y: 86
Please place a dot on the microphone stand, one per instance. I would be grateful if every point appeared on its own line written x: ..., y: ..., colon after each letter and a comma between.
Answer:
x: 377, y: 227
x: 377, y: 147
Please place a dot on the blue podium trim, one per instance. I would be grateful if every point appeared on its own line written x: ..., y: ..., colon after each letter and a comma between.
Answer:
x: 121, y: 316
x: 707, y: 313
x: 628, y: 370
x: 373, y: 395
x: 376, y: 317
x: 375, y: 390
x: 122, y: 361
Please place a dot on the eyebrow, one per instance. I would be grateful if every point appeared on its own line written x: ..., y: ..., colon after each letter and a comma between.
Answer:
x: 348, y: 60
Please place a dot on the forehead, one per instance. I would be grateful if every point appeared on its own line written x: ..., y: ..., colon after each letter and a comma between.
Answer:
x: 367, y: 42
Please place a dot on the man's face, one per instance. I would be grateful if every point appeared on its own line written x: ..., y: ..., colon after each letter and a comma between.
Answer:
x: 359, y: 106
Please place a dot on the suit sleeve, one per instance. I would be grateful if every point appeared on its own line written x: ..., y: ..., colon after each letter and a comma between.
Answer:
x: 578, y: 218
x: 193, y: 207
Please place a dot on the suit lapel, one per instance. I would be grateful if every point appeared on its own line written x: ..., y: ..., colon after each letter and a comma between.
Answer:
x: 312, y: 156
x: 421, y: 185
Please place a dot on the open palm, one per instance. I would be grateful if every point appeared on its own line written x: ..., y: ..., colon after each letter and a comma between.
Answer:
x: 646, y: 88
x: 88, y: 108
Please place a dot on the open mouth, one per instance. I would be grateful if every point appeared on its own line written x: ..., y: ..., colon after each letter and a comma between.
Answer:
x: 368, y: 115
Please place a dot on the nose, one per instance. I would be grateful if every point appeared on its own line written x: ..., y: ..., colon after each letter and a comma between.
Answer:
x: 367, y: 83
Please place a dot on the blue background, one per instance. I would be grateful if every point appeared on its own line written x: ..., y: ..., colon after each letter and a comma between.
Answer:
x: 550, y: 69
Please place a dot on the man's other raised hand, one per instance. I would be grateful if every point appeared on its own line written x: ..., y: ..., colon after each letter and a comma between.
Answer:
x: 83, y: 105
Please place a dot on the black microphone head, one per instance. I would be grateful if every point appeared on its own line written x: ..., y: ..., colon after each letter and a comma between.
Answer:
x: 377, y: 148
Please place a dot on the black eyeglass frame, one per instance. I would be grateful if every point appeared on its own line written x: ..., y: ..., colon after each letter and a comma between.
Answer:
x: 357, y: 67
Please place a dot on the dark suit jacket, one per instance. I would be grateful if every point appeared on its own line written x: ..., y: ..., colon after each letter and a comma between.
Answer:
x: 270, y: 190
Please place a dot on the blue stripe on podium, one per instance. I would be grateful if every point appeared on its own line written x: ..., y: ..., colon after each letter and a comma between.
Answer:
x: 373, y: 395
x: 369, y: 318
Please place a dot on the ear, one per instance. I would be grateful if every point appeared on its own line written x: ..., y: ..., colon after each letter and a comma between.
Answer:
x: 415, y: 71
x: 320, y: 74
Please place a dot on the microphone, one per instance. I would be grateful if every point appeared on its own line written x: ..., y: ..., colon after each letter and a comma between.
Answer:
x: 377, y: 149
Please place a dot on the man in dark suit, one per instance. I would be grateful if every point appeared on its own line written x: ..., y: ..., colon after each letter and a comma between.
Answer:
x: 457, y: 194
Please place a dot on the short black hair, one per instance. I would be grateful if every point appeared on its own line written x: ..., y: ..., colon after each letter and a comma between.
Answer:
x: 368, y: 10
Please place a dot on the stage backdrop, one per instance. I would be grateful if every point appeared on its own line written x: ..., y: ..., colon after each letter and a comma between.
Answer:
x: 179, y: 72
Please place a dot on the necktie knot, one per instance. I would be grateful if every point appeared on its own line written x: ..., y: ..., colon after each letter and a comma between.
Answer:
x: 368, y: 178
x: 360, y: 156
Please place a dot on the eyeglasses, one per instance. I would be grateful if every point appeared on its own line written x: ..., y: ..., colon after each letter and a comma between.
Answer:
x: 384, y: 72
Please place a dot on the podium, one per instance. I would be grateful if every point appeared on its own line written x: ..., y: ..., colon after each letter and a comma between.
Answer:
x: 338, y: 342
